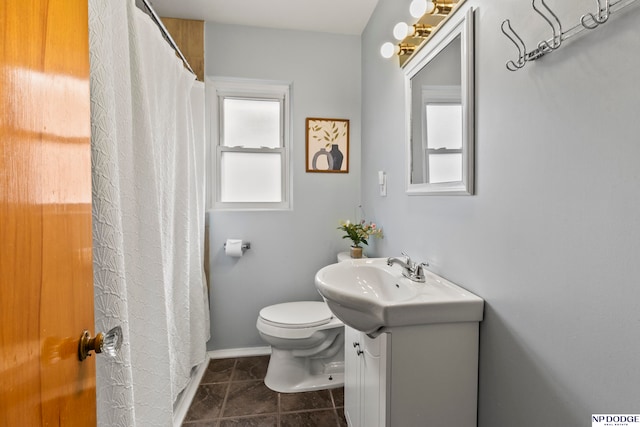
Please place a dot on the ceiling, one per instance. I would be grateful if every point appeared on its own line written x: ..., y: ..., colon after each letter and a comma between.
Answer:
x: 328, y: 16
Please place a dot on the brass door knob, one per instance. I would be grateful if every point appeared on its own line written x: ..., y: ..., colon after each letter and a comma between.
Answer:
x: 108, y: 343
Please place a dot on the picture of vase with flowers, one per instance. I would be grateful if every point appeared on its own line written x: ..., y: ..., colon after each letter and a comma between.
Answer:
x: 359, y: 233
x: 327, y: 147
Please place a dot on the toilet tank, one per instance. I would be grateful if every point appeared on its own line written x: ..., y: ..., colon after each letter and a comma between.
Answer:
x: 345, y: 256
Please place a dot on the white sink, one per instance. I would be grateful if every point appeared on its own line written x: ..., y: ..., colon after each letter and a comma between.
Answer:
x: 368, y: 295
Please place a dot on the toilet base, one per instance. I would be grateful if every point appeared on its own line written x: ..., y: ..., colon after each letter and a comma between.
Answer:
x: 290, y: 374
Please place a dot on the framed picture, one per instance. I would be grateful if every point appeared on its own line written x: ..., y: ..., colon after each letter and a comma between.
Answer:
x: 327, y: 146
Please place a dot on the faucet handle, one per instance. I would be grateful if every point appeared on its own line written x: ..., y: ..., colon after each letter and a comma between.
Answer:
x: 420, y: 268
x: 408, y: 258
x: 418, y: 272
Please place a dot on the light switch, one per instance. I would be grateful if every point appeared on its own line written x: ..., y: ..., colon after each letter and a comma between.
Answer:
x: 382, y: 183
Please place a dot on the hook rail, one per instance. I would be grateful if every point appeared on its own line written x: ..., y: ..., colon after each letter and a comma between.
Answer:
x: 588, y: 21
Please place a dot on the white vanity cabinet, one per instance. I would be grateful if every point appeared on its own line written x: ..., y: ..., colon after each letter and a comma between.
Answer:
x: 424, y: 375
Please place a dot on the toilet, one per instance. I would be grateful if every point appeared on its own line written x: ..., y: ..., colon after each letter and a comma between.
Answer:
x: 307, y: 345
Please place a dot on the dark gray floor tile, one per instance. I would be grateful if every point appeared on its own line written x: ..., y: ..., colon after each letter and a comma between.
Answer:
x: 320, y: 399
x: 210, y: 423
x: 323, y: 418
x: 342, y: 421
x: 250, y: 403
x: 338, y: 396
x: 207, y: 402
x: 259, y: 421
x: 251, y: 368
x: 219, y: 370
x: 250, y: 398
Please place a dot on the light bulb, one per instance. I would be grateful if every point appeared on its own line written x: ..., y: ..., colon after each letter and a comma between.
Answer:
x: 387, y: 50
x: 420, y: 7
x: 400, y: 31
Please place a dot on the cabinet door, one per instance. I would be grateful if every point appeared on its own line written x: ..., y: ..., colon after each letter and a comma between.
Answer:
x: 373, y: 380
x: 365, y: 385
x: 352, y: 402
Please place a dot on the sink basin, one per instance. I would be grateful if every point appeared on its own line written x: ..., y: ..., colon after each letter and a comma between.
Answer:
x: 370, y: 296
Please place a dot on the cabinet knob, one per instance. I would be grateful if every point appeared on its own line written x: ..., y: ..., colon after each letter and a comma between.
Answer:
x: 356, y: 345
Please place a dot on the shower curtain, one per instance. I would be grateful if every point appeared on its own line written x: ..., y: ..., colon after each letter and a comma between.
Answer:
x: 148, y: 217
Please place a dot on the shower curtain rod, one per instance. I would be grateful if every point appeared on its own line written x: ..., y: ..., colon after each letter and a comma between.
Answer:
x: 166, y: 35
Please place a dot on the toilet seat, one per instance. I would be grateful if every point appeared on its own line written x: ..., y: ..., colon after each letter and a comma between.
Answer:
x: 301, y: 314
x: 296, y: 320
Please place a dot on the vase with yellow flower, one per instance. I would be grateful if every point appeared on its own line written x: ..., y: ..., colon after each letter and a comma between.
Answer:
x: 359, y: 234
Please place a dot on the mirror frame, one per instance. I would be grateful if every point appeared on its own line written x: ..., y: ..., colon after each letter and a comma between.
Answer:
x: 459, y: 25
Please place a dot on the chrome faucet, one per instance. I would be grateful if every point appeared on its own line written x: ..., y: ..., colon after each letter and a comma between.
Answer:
x: 411, y: 270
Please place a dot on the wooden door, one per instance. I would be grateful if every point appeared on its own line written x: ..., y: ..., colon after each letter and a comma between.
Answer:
x: 46, y: 284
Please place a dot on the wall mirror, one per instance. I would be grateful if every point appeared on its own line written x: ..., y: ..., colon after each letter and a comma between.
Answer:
x: 439, y: 97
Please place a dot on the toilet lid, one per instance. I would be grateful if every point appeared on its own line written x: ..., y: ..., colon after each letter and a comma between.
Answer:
x: 301, y: 314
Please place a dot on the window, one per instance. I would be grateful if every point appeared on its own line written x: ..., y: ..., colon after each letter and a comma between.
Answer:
x: 250, y: 132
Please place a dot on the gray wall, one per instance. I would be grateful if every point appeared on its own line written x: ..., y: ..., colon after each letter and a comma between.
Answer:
x: 552, y: 237
x: 287, y: 247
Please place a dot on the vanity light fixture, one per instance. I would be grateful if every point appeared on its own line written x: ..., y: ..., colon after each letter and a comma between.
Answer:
x: 418, y: 8
x: 405, y: 49
x: 401, y: 31
x: 401, y: 49
x: 429, y: 15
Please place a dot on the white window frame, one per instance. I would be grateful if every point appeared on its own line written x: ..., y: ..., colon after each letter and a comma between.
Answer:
x: 217, y: 90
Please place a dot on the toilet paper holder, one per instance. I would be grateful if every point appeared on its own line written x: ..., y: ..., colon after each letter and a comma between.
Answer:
x: 244, y: 246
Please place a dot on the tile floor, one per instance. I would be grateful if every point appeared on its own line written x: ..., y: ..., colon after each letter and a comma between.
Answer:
x: 232, y: 393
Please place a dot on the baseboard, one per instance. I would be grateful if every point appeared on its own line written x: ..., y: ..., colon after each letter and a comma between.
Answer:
x: 239, y: 352
x: 183, y: 402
